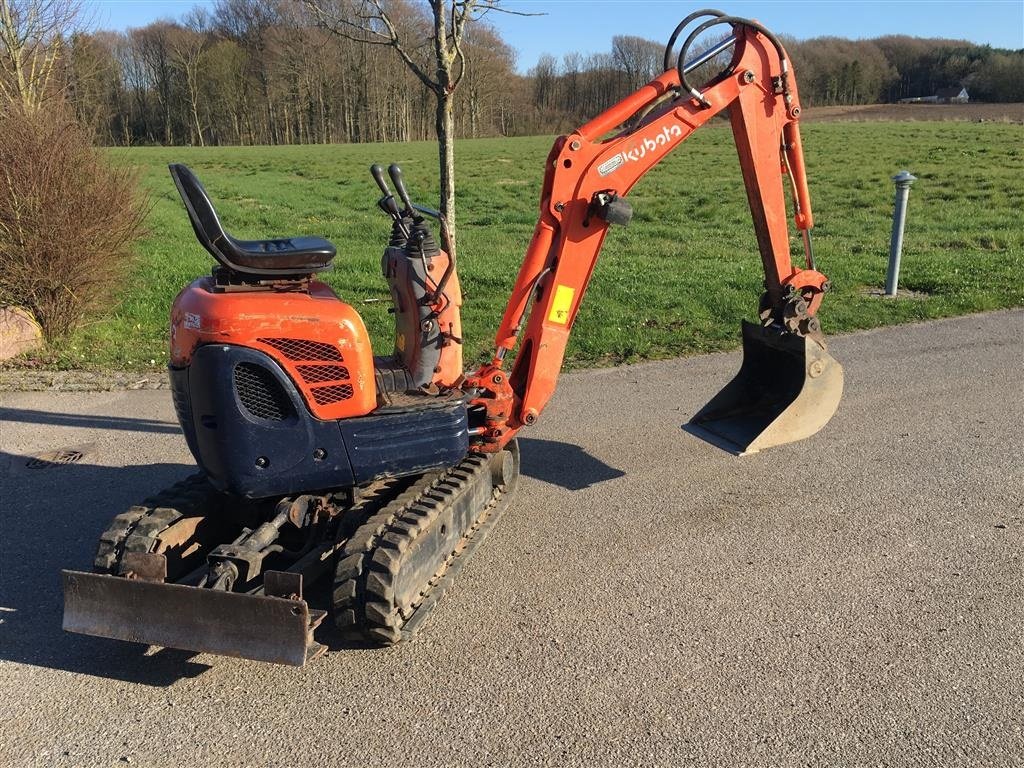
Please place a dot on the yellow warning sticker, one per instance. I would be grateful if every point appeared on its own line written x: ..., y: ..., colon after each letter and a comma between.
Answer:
x: 561, y: 305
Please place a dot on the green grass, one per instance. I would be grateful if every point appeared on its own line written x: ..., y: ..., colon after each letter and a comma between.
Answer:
x: 677, y: 281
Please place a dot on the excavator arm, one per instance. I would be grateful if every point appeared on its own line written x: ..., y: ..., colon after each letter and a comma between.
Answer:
x: 587, y: 177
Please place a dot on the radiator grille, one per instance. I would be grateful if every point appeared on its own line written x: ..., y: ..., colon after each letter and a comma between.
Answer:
x: 314, y: 374
x: 260, y: 393
x: 332, y: 393
x: 317, y: 372
x: 303, y: 349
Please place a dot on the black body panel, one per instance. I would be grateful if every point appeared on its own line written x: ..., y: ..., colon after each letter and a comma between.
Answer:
x: 254, y: 436
x: 406, y: 441
x: 252, y: 456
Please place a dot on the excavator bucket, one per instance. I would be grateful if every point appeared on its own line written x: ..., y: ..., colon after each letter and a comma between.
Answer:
x: 787, y: 389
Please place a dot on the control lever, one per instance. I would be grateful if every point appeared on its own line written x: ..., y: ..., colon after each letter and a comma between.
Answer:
x: 387, y: 203
x: 414, y: 210
x: 432, y: 213
x: 396, y: 176
x: 378, y: 175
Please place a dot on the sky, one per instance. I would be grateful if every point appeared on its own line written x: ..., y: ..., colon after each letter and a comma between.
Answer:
x: 587, y: 26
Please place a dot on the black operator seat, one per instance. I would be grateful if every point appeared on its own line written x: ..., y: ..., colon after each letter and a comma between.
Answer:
x: 267, y: 258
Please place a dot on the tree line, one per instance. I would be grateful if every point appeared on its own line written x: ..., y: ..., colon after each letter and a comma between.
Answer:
x: 262, y: 72
x: 834, y: 71
x: 265, y: 72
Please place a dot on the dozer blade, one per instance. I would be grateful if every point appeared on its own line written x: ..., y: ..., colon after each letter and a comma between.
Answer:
x: 273, y: 629
x: 787, y: 389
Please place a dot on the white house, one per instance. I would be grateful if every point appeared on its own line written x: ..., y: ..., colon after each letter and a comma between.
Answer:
x: 955, y: 95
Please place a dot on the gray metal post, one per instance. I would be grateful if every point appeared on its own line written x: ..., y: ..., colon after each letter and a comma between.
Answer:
x: 903, y: 180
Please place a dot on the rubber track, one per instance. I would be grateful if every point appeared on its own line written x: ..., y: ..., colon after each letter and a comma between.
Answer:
x: 380, y: 527
x: 347, y: 596
x: 139, y: 528
x: 372, y: 562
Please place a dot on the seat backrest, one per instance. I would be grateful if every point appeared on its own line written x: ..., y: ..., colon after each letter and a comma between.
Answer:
x: 201, y: 213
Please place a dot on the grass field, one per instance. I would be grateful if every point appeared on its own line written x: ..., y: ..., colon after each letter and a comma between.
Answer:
x: 677, y: 281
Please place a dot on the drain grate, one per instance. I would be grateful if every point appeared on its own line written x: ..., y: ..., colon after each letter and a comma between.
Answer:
x: 55, y: 459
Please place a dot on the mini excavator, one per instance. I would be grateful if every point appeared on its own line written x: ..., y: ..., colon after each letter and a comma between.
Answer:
x: 383, y: 474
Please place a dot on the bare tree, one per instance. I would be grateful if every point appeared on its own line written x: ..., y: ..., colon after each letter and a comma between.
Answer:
x: 250, y: 23
x: 386, y: 22
x: 187, y: 53
x: 224, y: 69
x: 31, y: 32
x: 640, y: 59
x: 90, y: 80
x: 152, y: 44
x: 489, y: 60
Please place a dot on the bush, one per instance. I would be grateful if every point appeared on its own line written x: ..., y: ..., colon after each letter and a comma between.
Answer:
x: 68, y: 218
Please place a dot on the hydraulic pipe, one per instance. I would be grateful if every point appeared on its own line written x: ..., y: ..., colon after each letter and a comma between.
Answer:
x: 708, y: 55
x: 651, y: 92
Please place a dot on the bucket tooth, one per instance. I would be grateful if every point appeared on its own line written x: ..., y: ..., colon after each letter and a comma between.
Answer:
x: 787, y: 389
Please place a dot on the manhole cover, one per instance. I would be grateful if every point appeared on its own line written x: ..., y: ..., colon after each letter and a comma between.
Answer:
x: 55, y: 459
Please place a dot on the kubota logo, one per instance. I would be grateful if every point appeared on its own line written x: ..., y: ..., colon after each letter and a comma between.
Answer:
x: 640, y: 151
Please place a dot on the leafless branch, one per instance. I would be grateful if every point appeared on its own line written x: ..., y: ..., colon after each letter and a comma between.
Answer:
x: 362, y: 31
x: 31, y: 35
x: 345, y: 28
x: 461, y: 12
x: 397, y: 44
x: 494, y: 5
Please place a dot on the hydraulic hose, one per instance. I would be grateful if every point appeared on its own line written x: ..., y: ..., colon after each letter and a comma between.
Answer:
x: 683, y: 25
x: 733, y: 20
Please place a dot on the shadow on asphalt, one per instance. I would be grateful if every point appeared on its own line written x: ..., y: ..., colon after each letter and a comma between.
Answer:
x: 94, y: 422
x: 563, y: 464
x: 51, y: 519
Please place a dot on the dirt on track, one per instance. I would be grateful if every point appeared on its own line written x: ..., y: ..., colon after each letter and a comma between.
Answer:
x: 974, y: 113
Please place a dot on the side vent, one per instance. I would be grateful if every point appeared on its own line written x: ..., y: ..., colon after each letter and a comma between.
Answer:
x: 315, y: 374
x: 303, y: 349
x: 261, y: 394
x: 332, y: 394
x: 327, y: 381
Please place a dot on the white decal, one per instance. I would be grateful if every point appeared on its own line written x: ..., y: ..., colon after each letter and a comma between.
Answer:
x: 640, y: 151
x: 192, y: 321
x: 610, y: 165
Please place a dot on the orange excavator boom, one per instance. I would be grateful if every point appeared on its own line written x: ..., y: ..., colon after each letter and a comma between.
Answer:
x: 587, y: 177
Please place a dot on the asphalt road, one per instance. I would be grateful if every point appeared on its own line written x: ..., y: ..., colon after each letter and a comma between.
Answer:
x: 854, y: 599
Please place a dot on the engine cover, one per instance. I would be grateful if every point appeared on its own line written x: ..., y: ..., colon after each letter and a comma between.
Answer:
x: 318, y: 340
